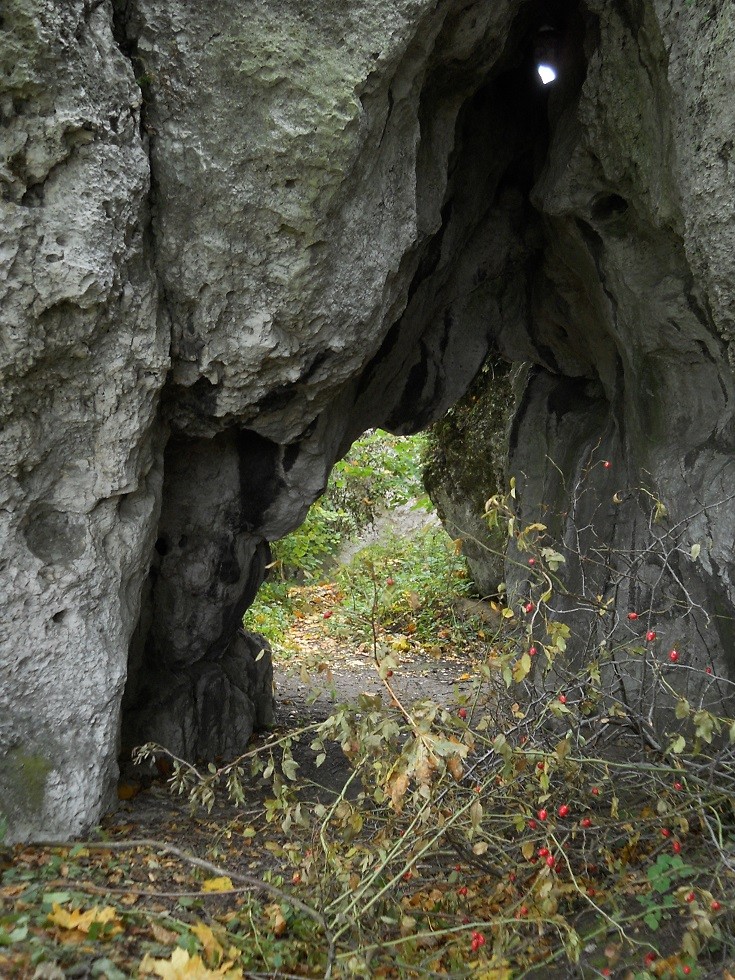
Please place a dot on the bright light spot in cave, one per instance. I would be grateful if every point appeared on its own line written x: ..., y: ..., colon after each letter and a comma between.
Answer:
x: 547, y: 74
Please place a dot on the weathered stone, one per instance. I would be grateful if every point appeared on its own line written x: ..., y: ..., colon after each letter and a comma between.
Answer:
x: 83, y: 354
x: 328, y: 215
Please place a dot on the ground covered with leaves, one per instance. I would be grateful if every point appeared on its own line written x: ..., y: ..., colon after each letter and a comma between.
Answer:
x: 444, y: 796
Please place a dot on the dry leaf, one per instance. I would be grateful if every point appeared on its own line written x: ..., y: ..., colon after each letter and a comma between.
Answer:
x: 213, y: 951
x: 83, y: 921
x: 181, y: 966
x: 276, y: 920
x: 397, y: 789
x: 167, y: 937
x: 126, y: 791
x: 222, y: 884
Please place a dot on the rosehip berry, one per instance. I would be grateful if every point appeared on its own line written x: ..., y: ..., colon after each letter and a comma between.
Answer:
x: 390, y: 581
x: 542, y: 814
x: 606, y: 971
x: 532, y: 824
x: 585, y: 823
x: 462, y: 890
x: 512, y: 876
x: 632, y: 615
x: 457, y: 867
x: 541, y: 766
x: 650, y: 958
x: 529, y: 607
x: 562, y: 699
x: 389, y: 673
x: 690, y: 897
x: 686, y: 970
x: 676, y: 847
x: 328, y: 613
x: 532, y: 652
x: 673, y: 656
x: 550, y: 862
x: 563, y: 810
x: 408, y: 876
x: 543, y: 852
x: 591, y: 892
x: 678, y: 786
x: 708, y: 670
x: 474, y: 945
x: 523, y: 910
x: 715, y: 906
x: 606, y: 463
x: 665, y: 832
x: 532, y: 562
x: 595, y: 791
x: 462, y: 713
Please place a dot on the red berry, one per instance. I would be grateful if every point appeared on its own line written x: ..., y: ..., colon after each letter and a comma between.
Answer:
x: 408, y: 876
x: 591, y: 892
x: 550, y: 861
x: 540, y: 765
x: 632, y: 615
x: 532, y: 652
x: 678, y: 786
x: 390, y: 581
x: 474, y: 945
x: 328, y: 613
x: 563, y: 810
x: 606, y: 463
x: 665, y: 832
x: 708, y: 670
x: 686, y: 970
x: 512, y: 876
x: 690, y: 897
x: 457, y: 867
x: 523, y: 910
x: 649, y: 958
x: 462, y: 891
x: 462, y: 713
x: 650, y: 636
x: 543, y: 852
x: 532, y: 824
x: 585, y: 823
x: 595, y: 791
x: 531, y: 561
x: 715, y: 906
x: 529, y: 607
x: 606, y: 971
x: 676, y: 847
x: 542, y: 814
x: 562, y: 699
x: 673, y: 656
x: 389, y: 673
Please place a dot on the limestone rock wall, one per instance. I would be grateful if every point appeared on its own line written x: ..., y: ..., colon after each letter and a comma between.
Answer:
x: 83, y: 355
x: 235, y: 236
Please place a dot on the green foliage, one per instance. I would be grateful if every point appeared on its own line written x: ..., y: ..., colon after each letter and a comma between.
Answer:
x: 405, y: 585
x: 380, y: 472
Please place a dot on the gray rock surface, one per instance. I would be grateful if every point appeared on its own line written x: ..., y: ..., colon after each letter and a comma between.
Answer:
x: 239, y: 238
x: 83, y: 355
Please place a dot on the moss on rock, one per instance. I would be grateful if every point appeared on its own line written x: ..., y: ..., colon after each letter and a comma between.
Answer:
x: 466, y: 464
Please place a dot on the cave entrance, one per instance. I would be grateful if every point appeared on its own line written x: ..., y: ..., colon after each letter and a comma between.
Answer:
x: 468, y: 290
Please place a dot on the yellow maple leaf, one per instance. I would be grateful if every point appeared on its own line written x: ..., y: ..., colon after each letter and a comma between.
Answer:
x: 213, y: 951
x: 181, y: 966
x: 222, y: 884
x: 83, y: 921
